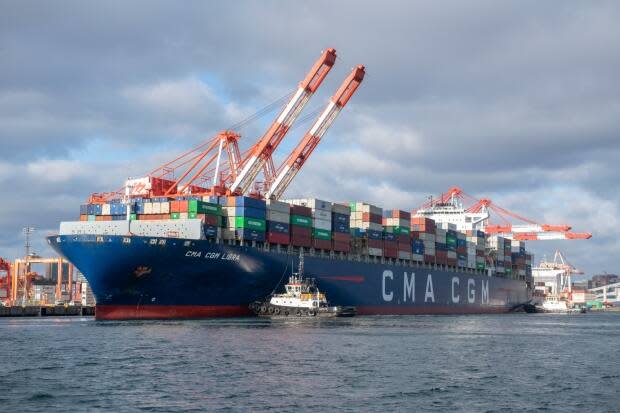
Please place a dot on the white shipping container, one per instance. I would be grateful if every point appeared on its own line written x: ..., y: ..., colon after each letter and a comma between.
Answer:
x: 169, y: 228
x: 276, y: 216
x: 322, y: 224
x: 183, y: 215
x: 418, y: 257
x: 370, y: 225
x: 356, y: 216
x: 313, y: 203
x: 321, y: 214
x: 228, y: 233
x: 94, y: 228
x: 157, y: 208
x: 148, y: 207
x: 341, y: 209
x: 404, y: 255
x: 377, y: 252
x: 105, y: 209
x: 164, y: 208
x: 277, y: 206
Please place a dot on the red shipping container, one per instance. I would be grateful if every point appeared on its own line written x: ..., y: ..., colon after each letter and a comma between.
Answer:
x: 404, y: 246
x: 479, y: 253
x: 174, y: 206
x: 451, y: 262
x: 278, y: 238
x: 301, y: 210
x: 401, y: 214
x: 83, y: 217
x: 322, y: 244
x: 341, y: 246
x: 107, y: 218
x: 368, y: 217
x: 390, y: 252
x: 210, y: 219
x: 375, y: 243
x: 300, y: 231
x: 183, y: 206
x: 301, y: 241
x: 341, y: 237
x: 403, y: 238
x: 99, y: 218
x: 429, y: 259
x: 390, y: 244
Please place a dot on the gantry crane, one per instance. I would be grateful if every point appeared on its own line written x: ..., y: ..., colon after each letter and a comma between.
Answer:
x: 482, y: 208
x: 203, y: 169
x: 260, y: 155
x: 5, y: 281
x: 312, y: 138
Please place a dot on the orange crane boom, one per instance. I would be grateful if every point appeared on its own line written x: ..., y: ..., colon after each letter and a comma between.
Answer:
x: 312, y: 138
x: 263, y: 150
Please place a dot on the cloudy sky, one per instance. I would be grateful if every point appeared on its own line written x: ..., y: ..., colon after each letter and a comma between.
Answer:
x: 515, y: 101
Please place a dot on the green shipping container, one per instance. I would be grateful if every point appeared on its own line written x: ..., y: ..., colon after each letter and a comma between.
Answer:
x: 401, y: 230
x: 202, y: 207
x: 450, y: 241
x: 175, y: 215
x: 250, y: 223
x: 352, y: 206
x: 301, y: 221
x: 92, y: 217
x: 133, y: 217
x: 192, y: 215
x: 322, y: 234
x: 480, y: 266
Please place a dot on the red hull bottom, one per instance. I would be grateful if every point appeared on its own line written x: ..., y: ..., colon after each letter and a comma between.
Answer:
x: 153, y: 312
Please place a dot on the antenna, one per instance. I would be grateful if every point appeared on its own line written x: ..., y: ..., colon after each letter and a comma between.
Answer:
x: 27, y: 231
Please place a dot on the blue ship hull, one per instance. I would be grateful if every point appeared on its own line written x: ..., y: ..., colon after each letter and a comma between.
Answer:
x: 143, y: 277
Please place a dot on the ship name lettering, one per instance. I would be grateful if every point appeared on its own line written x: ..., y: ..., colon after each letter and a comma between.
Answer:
x: 231, y: 257
x: 409, y: 287
x: 430, y: 294
x: 455, y: 297
x: 212, y: 255
x: 387, y: 296
x: 471, y: 291
x: 484, y: 299
x: 193, y: 254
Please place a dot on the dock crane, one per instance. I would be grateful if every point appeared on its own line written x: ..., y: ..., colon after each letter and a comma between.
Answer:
x: 528, y: 230
x: 218, y: 167
x: 260, y: 156
x: 312, y: 138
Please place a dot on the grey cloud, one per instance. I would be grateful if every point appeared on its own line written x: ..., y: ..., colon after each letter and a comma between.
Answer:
x: 498, y: 97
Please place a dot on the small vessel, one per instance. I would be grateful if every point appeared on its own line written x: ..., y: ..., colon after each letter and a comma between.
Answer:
x: 301, y: 298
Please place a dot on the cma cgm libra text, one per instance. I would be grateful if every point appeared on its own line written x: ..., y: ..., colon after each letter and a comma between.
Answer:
x: 136, y: 277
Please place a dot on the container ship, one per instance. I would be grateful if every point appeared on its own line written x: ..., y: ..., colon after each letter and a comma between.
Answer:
x: 204, y: 236
x: 206, y: 259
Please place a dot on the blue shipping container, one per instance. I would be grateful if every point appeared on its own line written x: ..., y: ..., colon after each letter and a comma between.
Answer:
x: 389, y: 237
x: 250, y: 212
x: 278, y: 227
x: 340, y: 218
x: 210, y: 231
x: 250, y: 234
x: 340, y: 227
x: 244, y: 201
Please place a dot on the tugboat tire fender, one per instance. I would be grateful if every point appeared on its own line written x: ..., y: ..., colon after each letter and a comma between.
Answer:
x: 276, y: 311
x: 286, y: 312
x: 298, y: 313
x: 270, y: 309
x: 263, y: 309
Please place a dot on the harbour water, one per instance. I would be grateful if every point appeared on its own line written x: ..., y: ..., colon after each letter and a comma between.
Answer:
x: 398, y: 363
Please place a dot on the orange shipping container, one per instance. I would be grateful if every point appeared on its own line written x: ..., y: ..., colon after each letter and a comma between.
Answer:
x: 83, y: 217
x: 174, y: 206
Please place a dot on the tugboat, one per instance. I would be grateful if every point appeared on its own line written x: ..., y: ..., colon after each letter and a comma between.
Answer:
x: 301, y: 299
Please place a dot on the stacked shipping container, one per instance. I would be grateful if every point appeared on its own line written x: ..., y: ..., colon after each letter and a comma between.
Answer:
x: 359, y: 227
